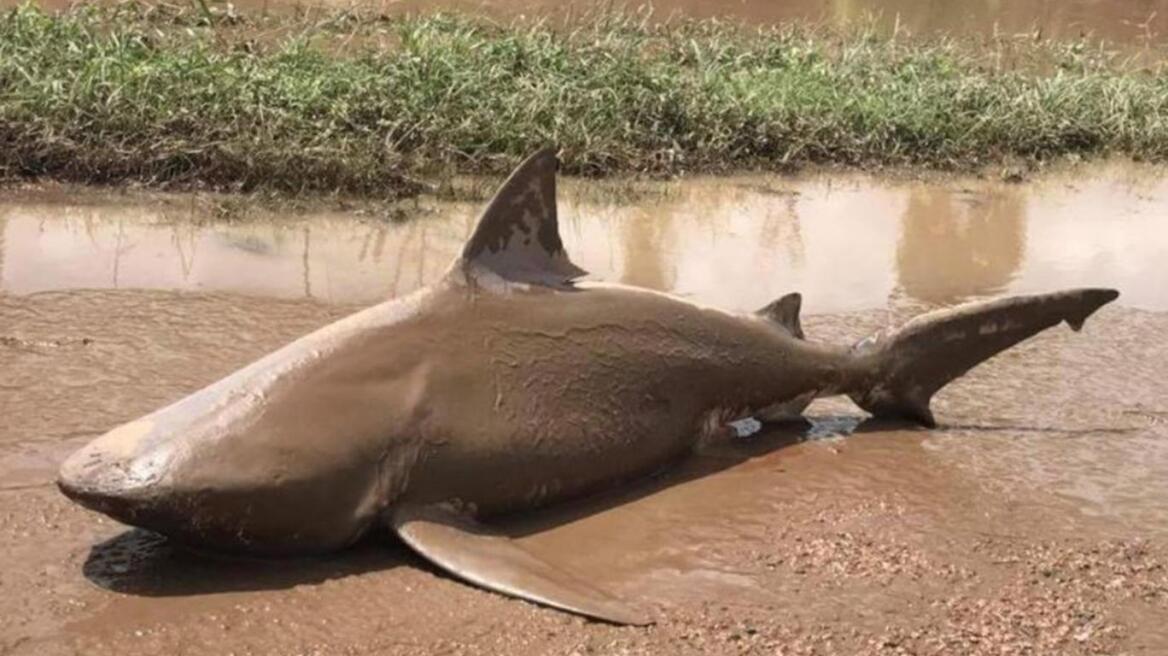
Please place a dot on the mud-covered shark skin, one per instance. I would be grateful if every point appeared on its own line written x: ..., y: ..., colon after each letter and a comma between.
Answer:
x: 503, y: 387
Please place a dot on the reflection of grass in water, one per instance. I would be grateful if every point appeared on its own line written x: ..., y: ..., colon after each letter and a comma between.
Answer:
x: 364, y: 105
x: 620, y: 191
x: 608, y: 191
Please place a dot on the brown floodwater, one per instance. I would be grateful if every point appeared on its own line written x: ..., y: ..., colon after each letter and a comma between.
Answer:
x: 849, y: 242
x: 1122, y: 22
x: 1034, y: 519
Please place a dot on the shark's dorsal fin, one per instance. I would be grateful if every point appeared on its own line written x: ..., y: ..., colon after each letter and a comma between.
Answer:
x: 518, y: 236
x: 785, y: 312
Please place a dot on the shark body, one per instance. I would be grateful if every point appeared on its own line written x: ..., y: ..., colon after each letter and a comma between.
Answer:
x: 504, y: 386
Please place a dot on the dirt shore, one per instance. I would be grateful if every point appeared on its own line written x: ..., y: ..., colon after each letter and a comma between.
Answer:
x: 1032, y: 522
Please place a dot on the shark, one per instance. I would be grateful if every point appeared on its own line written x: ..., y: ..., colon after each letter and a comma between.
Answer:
x: 507, y: 385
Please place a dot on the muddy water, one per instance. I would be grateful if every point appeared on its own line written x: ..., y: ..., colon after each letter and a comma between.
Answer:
x: 1035, y: 518
x: 1122, y: 22
x: 848, y: 243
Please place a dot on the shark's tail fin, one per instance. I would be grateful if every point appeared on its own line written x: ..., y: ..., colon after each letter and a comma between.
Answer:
x: 912, y: 363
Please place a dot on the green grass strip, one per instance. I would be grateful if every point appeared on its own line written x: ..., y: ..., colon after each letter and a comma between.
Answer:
x: 114, y: 96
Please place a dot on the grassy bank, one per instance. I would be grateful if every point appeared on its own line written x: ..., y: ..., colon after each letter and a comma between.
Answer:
x: 366, y: 105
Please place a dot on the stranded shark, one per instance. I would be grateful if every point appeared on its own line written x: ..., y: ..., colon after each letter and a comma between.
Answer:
x: 504, y: 386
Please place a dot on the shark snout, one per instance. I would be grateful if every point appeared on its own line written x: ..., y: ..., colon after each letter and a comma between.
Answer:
x: 108, y: 500
x: 112, y: 474
x: 99, y: 484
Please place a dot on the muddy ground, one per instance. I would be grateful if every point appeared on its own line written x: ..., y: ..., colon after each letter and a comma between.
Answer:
x: 1033, y: 521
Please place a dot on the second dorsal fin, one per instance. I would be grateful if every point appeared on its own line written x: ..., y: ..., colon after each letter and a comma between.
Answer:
x: 785, y: 312
x: 518, y: 236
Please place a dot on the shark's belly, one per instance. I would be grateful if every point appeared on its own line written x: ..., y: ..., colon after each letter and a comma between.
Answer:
x: 521, y: 466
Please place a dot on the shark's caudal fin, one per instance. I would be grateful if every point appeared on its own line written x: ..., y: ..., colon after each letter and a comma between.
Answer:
x: 911, y: 364
x: 518, y: 236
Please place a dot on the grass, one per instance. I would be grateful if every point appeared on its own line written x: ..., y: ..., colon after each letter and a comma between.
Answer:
x: 368, y: 105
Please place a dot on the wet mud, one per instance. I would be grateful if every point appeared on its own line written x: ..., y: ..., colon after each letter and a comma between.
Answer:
x: 1033, y: 521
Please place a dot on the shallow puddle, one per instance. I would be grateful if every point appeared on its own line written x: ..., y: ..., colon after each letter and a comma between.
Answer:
x: 847, y: 243
x: 1126, y: 21
x: 111, y: 306
x: 1133, y: 23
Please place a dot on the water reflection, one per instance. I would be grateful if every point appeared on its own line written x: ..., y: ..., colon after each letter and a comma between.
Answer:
x: 957, y: 245
x: 647, y: 243
x: 1133, y: 22
x: 848, y: 243
x: 1127, y: 22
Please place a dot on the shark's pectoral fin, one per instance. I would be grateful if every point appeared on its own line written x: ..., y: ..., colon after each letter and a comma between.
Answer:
x: 470, y: 551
